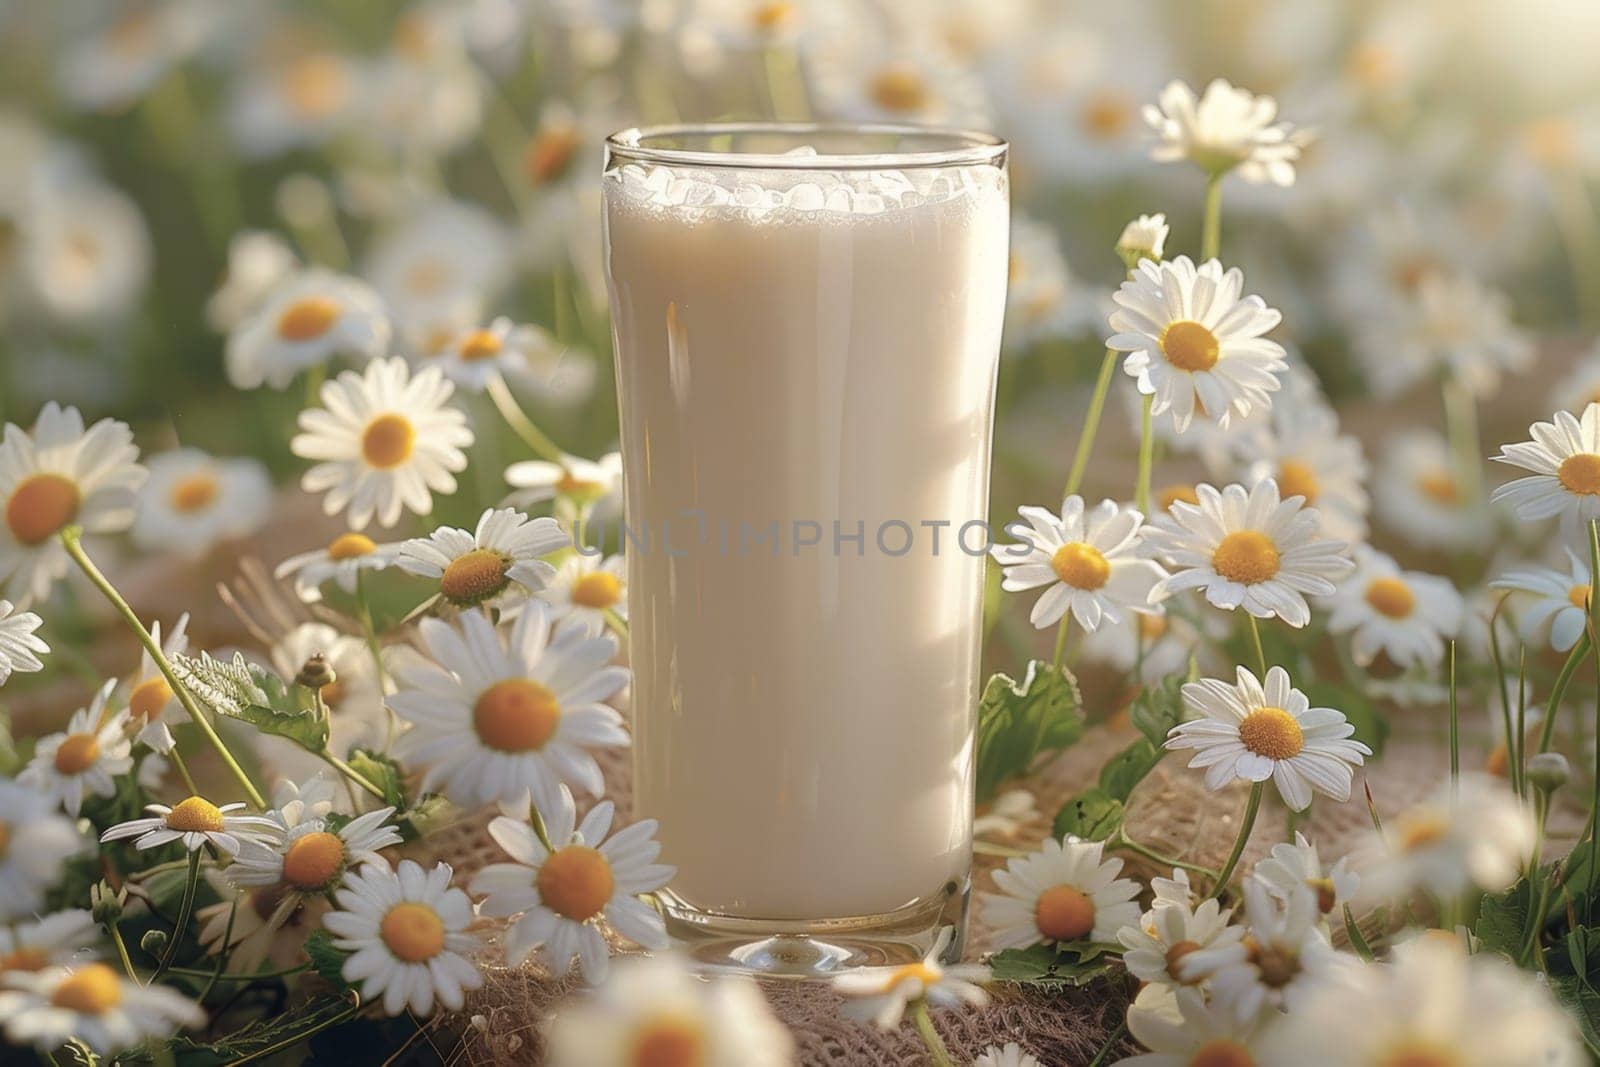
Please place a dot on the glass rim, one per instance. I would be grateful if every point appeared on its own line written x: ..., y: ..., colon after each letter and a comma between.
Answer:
x: 964, y: 147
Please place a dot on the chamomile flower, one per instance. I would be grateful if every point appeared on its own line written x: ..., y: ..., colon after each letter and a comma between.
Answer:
x: 1422, y: 496
x: 53, y: 941
x: 498, y: 714
x: 1454, y: 324
x: 37, y: 842
x: 295, y: 802
x: 193, y: 501
x: 85, y: 252
x: 1043, y: 299
x: 560, y: 897
x: 1011, y: 1055
x: 589, y: 485
x: 270, y: 925
x: 1564, y: 457
x: 259, y: 261
x: 311, y: 857
x: 1143, y: 238
x: 1309, y: 458
x: 1293, y: 868
x: 148, y: 698
x: 1181, y: 1028
x: 499, y: 561
x: 1250, y: 550
x: 586, y: 589
x: 880, y: 995
x: 196, y: 822
x: 1089, y: 559
x: 1159, y: 646
x: 1405, y: 615
x: 385, y: 441
x: 1222, y: 130
x: 1006, y: 816
x: 341, y: 563
x: 1284, y: 956
x: 1560, y: 611
x: 307, y: 321
x: 1063, y: 893
x: 110, y: 67
x: 475, y: 357
x: 1255, y: 732
x: 1194, y: 343
x: 445, y: 254
x: 84, y: 759
x: 654, y: 1008
x: 1474, y: 834
x: 93, y: 1004
x: 1174, y: 927
x: 407, y: 932
x: 868, y: 77
x: 60, y: 475
x: 20, y: 647
x: 302, y: 97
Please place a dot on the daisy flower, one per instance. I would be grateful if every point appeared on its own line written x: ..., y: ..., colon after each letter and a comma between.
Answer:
x: 1249, y: 549
x: 498, y: 561
x: 1308, y: 458
x: 497, y: 714
x: 560, y: 897
x: 1158, y: 646
x: 1405, y: 615
x: 1421, y: 496
x: 36, y: 841
x: 296, y: 802
x: 85, y: 252
x: 1452, y: 323
x: 1564, y: 458
x: 300, y: 97
x: 1089, y: 560
x: 93, y: 1004
x: 586, y: 589
x: 269, y: 925
x: 584, y: 482
x: 446, y: 253
x: 311, y: 857
x: 258, y: 262
x: 306, y: 322
x: 1559, y: 613
x: 474, y: 358
x: 1222, y: 130
x: 1481, y: 837
x: 1294, y: 868
x: 341, y: 563
x: 149, y: 699
x: 111, y: 66
x: 85, y: 758
x: 1284, y: 956
x: 1143, y: 238
x: 654, y: 1009
x: 1011, y: 1055
x: 1194, y: 343
x: 354, y: 698
x: 193, y: 501
x: 383, y: 439
x: 196, y: 822
x: 1007, y: 815
x: 909, y: 78
x: 53, y: 941
x: 1156, y: 946
x: 1432, y: 1003
x: 58, y: 476
x: 1253, y: 732
x: 1043, y: 300
x: 408, y: 932
x: 880, y: 995
x: 1063, y: 893
x: 1182, y: 1029
x: 20, y: 647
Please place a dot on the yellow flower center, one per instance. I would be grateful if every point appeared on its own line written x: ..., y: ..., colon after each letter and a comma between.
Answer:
x: 26, y: 958
x: 1419, y: 1054
x: 1391, y: 597
x: 600, y: 589
x: 1064, y: 913
x: 550, y: 153
x: 41, y: 506
x: 1420, y: 831
x: 315, y: 85
x: 195, y: 815
x: 668, y: 1041
x: 1440, y: 487
x: 350, y: 546
x: 575, y: 882
x: 1107, y: 116
x: 516, y: 715
x: 1222, y: 1052
x: 149, y: 698
x: 1152, y: 627
x: 1271, y: 732
x: 387, y: 441
x: 772, y: 17
x: 413, y: 932
x: 92, y: 989
x: 1276, y: 965
x: 570, y: 485
x: 1246, y: 556
x: 1578, y: 596
x: 1190, y: 346
x: 1174, y: 493
x: 308, y: 318
x: 314, y: 860
x: 1175, y: 956
x: 480, y: 344
x: 475, y: 576
x: 1580, y: 474
x: 1327, y: 895
x: 1552, y: 142
x: 923, y: 973
x: 1371, y: 65
x: 1080, y: 565
x: 194, y: 493
x: 1296, y: 479
x: 77, y: 753
x: 900, y: 88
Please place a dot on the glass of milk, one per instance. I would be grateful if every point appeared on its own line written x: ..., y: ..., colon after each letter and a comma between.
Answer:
x: 807, y: 327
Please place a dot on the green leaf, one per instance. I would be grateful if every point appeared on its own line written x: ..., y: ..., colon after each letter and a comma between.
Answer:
x: 1502, y: 920
x: 244, y: 691
x: 1054, y: 969
x: 1582, y: 1002
x: 429, y: 812
x: 327, y: 959
x: 1093, y: 815
x: 1128, y: 768
x: 1158, y: 708
x: 79, y: 1053
x: 383, y: 772
x: 1016, y: 722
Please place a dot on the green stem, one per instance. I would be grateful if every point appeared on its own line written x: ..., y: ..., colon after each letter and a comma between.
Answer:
x: 1111, y: 1043
x: 1455, y: 726
x: 223, y: 952
x: 122, y: 949
x: 938, y: 1055
x: 1147, y: 455
x: 307, y: 1035
x: 1559, y: 690
x: 523, y: 426
x: 70, y: 540
x: 185, y: 910
x: 1461, y: 429
x: 195, y: 972
x: 1061, y: 642
x: 1091, y: 422
x: 1123, y: 841
x: 1211, y: 230
x: 1250, y: 811
x: 1255, y: 639
x: 183, y: 772
x: 354, y: 775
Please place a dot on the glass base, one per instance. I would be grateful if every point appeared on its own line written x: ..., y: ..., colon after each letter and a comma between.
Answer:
x: 790, y: 948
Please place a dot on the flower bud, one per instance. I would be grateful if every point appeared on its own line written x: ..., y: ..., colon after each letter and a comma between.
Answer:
x: 154, y: 942
x: 1548, y: 771
x: 105, y: 903
x: 1143, y: 238
x: 317, y: 673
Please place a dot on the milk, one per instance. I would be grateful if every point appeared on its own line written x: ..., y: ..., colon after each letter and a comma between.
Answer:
x: 801, y: 348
